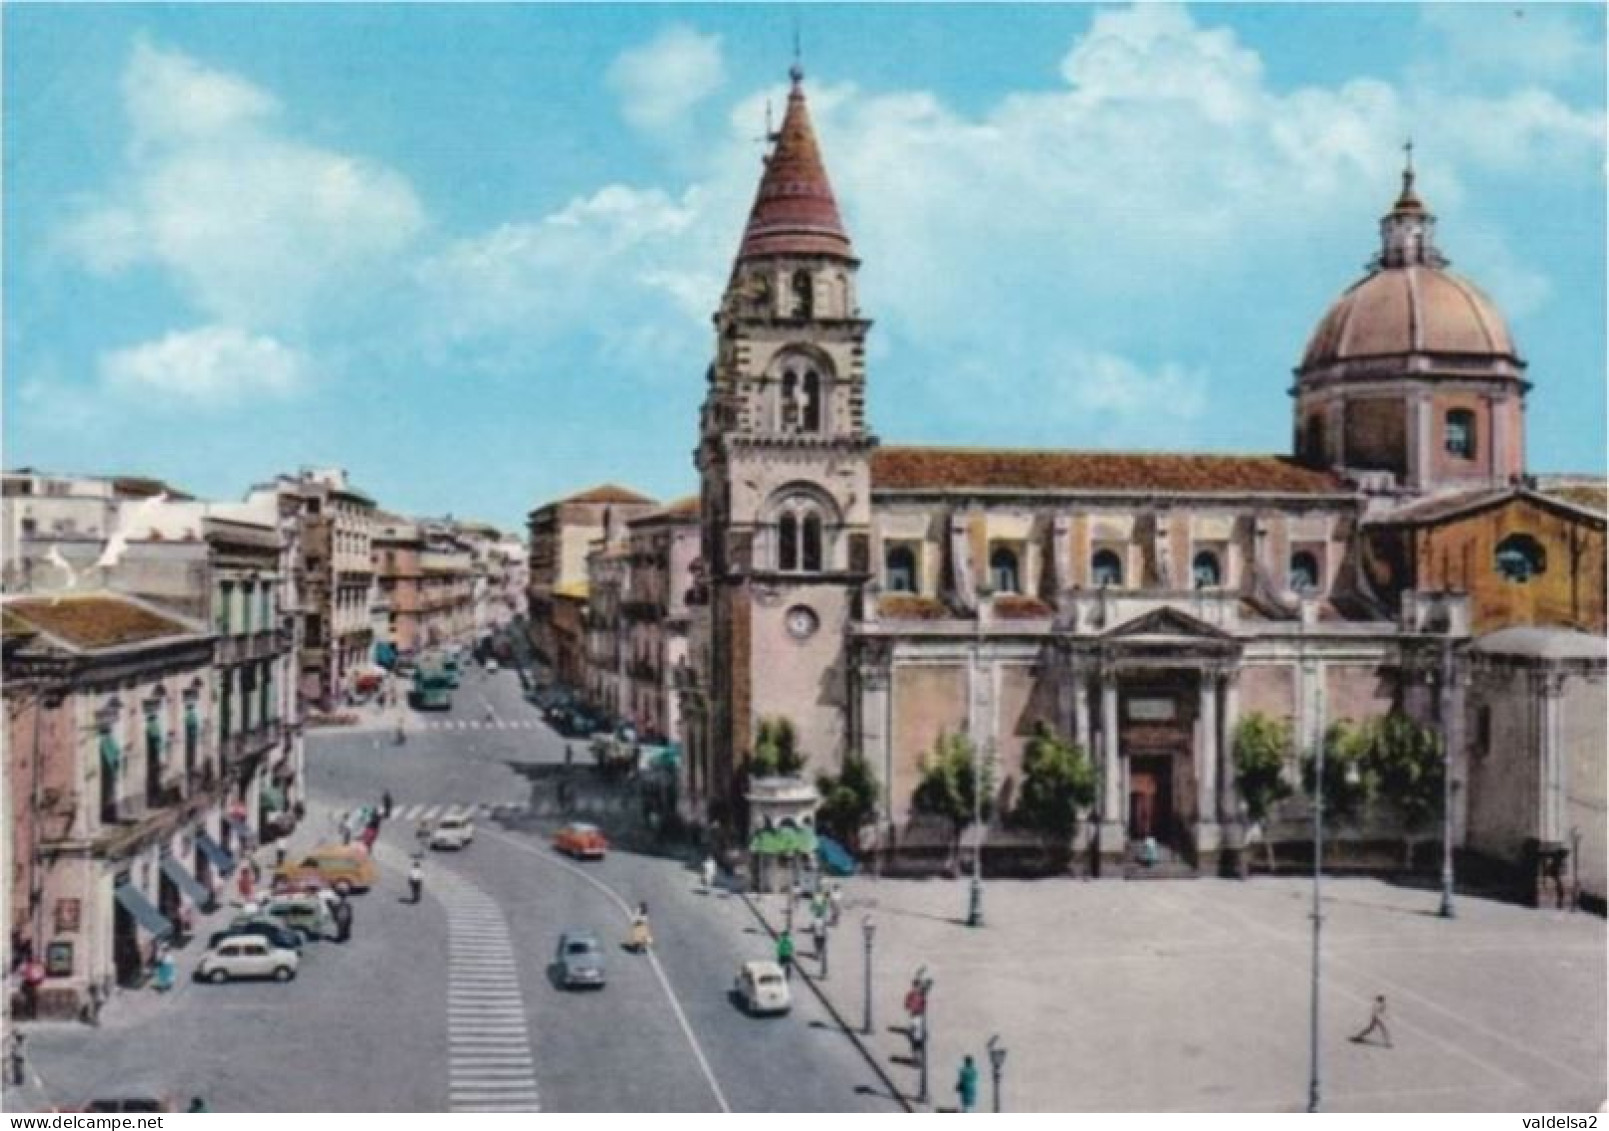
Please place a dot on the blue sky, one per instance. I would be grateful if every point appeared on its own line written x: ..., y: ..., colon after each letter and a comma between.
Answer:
x: 470, y: 252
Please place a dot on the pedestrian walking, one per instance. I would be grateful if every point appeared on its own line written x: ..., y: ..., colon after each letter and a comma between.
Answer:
x: 1377, y: 1024
x: 346, y: 828
x: 416, y: 879
x: 385, y: 804
x: 279, y: 855
x: 246, y: 880
x: 166, y: 972
x: 785, y: 953
x: 342, y: 913
x: 966, y: 1084
x: 197, y: 1105
x: 835, y: 903
x: 19, y: 1060
x: 818, y: 936
x: 371, y: 833
x: 569, y: 755
x: 707, y: 872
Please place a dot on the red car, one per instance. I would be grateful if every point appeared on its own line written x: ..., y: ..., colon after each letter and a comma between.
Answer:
x: 585, y: 842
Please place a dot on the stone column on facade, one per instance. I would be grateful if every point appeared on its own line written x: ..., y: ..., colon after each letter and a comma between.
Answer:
x: 1207, y: 838
x: 1497, y: 416
x: 1112, y: 816
x: 1080, y: 688
x: 1549, y: 687
x: 1229, y: 795
x: 1335, y: 431
x: 876, y: 739
x: 1420, y: 455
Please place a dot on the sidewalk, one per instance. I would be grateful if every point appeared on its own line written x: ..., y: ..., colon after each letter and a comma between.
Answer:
x: 136, y: 1007
x: 1193, y: 996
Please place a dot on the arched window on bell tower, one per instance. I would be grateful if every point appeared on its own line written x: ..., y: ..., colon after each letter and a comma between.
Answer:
x: 804, y: 294
x: 790, y: 401
x: 811, y: 420
x: 788, y: 542
x: 812, y: 543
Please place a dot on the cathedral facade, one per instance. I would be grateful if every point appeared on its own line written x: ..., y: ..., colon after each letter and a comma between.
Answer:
x: 879, y: 596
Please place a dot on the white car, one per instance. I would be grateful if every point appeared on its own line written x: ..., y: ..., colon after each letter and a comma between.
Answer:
x: 455, y: 830
x: 761, y: 987
x: 491, y: 666
x: 247, y: 956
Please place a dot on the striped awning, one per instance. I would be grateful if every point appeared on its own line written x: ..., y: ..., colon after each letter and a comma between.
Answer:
x: 216, y: 854
x: 174, y: 870
x: 148, y: 917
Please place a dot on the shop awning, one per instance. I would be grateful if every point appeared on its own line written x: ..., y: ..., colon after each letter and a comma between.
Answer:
x: 134, y: 902
x: 180, y: 875
x: 216, y: 854
x: 786, y: 841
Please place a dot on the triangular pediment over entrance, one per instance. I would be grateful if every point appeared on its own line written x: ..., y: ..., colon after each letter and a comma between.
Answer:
x: 1166, y: 623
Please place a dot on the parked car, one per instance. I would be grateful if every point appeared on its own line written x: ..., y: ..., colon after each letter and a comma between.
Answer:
x: 761, y: 987
x: 260, y: 926
x: 247, y: 957
x: 585, y: 842
x: 132, y: 1099
x: 304, y: 913
x: 491, y: 665
x: 580, y: 960
x: 343, y: 867
x: 455, y: 830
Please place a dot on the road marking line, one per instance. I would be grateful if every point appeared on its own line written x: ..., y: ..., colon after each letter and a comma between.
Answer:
x: 653, y: 959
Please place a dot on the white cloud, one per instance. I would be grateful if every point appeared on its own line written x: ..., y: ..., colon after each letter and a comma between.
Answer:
x: 171, y: 97
x: 1547, y: 41
x: 603, y: 264
x: 660, y: 81
x: 258, y: 229
x: 213, y: 365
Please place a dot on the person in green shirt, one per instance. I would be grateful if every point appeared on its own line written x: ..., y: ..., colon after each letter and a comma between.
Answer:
x: 785, y: 953
x: 966, y: 1085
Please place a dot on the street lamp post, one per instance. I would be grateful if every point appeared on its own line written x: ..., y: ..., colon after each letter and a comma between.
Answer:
x: 997, y: 1064
x: 1318, y: 922
x: 868, y: 930
x: 1447, y: 911
x: 975, y: 888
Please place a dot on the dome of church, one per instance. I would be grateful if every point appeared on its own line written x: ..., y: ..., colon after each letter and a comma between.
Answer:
x: 1409, y: 309
x: 1409, y: 303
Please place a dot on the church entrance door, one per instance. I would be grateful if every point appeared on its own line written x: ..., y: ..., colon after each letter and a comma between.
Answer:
x: 1150, y: 796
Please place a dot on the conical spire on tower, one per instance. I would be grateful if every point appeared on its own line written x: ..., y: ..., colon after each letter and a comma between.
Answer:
x: 795, y: 212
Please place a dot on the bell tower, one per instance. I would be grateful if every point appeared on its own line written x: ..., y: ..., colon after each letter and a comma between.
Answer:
x: 783, y: 458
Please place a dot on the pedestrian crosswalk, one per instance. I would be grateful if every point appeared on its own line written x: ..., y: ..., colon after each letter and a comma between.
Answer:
x: 489, y: 1065
x: 478, y: 724
x: 462, y: 808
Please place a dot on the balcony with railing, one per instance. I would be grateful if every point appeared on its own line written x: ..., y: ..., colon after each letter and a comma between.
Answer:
x: 248, y: 743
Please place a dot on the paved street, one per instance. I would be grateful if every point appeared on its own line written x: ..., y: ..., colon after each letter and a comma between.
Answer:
x: 1193, y: 995
x: 450, y: 1005
x: 1109, y: 996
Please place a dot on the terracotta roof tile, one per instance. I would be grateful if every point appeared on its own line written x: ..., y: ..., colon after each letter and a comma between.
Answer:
x: 794, y: 211
x: 944, y: 468
x: 607, y: 493
x: 1594, y: 498
x: 95, y: 622
x: 908, y: 606
x: 1010, y: 606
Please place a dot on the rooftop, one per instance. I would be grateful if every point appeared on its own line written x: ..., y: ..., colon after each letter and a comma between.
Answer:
x: 607, y: 493
x: 997, y: 469
x: 93, y: 620
x: 1543, y: 644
